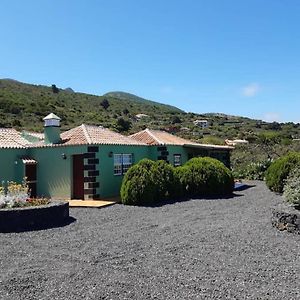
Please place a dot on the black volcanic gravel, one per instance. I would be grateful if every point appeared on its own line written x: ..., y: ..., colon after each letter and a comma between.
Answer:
x: 197, y: 249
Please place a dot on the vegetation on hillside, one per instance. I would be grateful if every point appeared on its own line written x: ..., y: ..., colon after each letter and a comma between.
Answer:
x: 23, y: 106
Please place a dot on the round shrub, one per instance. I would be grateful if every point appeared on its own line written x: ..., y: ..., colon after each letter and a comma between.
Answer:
x: 148, y: 182
x: 165, y: 181
x: 291, y: 190
x: 205, y: 176
x: 138, y: 185
x: 279, y: 170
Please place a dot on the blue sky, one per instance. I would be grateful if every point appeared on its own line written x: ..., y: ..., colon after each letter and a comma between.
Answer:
x: 236, y: 57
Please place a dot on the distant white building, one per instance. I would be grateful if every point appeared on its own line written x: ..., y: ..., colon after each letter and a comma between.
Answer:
x: 235, y: 142
x: 201, y: 123
x: 140, y: 116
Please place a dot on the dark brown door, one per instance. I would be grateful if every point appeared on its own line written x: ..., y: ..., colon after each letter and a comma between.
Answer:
x: 30, y: 174
x: 78, y: 177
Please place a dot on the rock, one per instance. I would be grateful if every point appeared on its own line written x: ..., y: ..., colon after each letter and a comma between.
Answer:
x: 286, y: 217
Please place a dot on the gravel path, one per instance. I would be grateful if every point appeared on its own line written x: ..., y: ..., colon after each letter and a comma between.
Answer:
x: 197, y: 249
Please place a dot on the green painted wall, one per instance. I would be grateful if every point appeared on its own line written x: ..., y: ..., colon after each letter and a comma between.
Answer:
x: 154, y: 153
x: 110, y: 184
x: 54, y: 173
x: 11, y: 167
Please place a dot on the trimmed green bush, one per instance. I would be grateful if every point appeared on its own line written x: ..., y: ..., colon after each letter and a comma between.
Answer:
x: 205, y: 176
x: 279, y: 170
x: 149, y: 182
x: 165, y: 181
x: 138, y: 186
x: 291, y: 190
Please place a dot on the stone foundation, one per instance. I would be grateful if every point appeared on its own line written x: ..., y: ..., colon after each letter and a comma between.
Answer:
x: 34, y: 217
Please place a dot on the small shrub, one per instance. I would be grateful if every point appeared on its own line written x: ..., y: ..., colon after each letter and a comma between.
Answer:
x: 279, y: 170
x: 205, y: 176
x: 14, y: 194
x: 149, y: 182
x: 291, y: 190
x: 138, y: 185
x: 253, y: 171
x: 165, y: 181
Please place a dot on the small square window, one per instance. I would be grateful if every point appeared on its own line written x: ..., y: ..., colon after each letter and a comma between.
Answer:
x: 177, y: 160
x: 122, y: 162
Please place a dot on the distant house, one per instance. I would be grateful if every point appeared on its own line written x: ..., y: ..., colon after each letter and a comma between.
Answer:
x: 88, y: 162
x: 236, y: 142
x: 185, y: 129
x: 201, y: 123
x: 140, y: 116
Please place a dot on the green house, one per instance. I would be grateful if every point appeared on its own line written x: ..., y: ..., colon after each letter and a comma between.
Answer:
x: 87, y: 162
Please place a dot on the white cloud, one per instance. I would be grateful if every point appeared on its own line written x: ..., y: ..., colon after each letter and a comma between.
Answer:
x: 250, y: 90
x: 271, y: 117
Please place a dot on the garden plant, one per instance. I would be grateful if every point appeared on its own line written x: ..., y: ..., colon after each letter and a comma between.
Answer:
x: 14, y: 194
x: 280, y: 169
x: 150, y: 182
x: 291, y: 190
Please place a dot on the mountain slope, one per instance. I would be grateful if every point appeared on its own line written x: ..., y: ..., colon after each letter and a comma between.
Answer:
x: 131, y: 97
x: 24, y: 105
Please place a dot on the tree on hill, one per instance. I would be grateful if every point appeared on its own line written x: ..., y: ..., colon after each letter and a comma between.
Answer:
x: 105, y: 104
x: 55, y: 90
x: 175, y: 120
x: 125, y: 111
x: 122, y: 125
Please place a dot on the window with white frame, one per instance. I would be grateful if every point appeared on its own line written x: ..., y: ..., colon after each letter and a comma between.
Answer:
x: 177, y: 160
x: 122, y: 162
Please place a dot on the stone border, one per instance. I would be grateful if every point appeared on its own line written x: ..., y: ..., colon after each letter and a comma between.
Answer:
x: 286, y: 217
x: 19, y: 219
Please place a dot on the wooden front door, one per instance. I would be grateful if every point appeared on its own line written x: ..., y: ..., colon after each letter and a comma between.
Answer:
x: 78, y: 177
x: 30, y: 174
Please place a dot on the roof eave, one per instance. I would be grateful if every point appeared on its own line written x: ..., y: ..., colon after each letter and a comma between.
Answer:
x: 214, y: 147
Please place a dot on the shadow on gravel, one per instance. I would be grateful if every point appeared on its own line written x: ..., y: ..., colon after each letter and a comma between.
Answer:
x: 44, y: 226
x: 243, y: 186
x: 168, y: 202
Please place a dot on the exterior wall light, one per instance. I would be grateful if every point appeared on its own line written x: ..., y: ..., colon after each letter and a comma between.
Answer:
x: 64, y: 156
x: 110, y: 154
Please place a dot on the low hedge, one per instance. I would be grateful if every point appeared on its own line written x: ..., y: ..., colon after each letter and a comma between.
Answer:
x: 149, y: 182
x: 291, y: 190
x: 279, y: 170
x: 205, y: 176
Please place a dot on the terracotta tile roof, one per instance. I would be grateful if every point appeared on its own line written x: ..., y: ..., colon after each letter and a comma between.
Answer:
x: 11, y: 138
x: 90, y: 135
x: 157, y: 137
x: 81, y: 135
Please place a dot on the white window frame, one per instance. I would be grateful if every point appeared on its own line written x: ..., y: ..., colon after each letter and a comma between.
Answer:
x: 177, y: 160
x: 122, y: 162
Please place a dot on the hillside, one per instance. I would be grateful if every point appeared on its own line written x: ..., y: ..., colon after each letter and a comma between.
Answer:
x: 24, y: 106
x: 134, y: 98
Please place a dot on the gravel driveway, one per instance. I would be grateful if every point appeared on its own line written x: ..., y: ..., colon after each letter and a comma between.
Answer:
x: 197, y: 249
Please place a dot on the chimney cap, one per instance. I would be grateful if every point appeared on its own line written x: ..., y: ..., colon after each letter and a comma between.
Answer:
x: 51, y: 117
